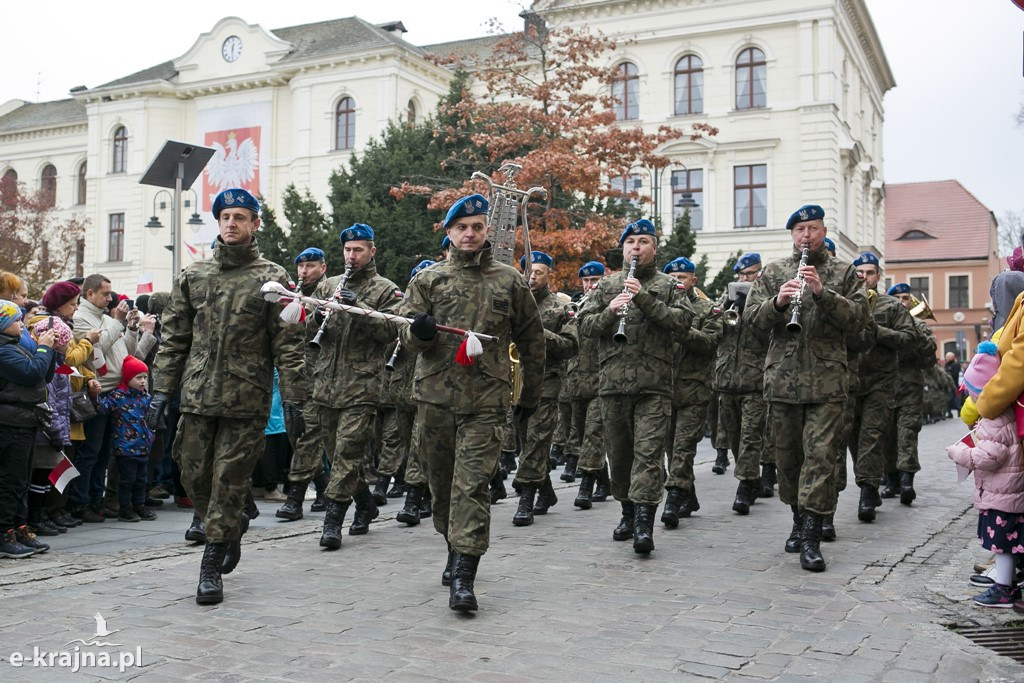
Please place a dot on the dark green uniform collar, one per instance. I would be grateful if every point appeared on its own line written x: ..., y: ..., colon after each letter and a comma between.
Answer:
x: 467, y: 259
x: 815, y: 258
x: 231, y: 256
x: 542, y: 294
x: 367, y: 272
x: 644, y: 272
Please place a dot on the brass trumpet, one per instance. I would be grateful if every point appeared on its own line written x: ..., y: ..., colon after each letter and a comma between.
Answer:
x: 921, y: 309
x: 620, y: 335
x: 794, y: 325
x: 731, y: 313
x: 315, y: 341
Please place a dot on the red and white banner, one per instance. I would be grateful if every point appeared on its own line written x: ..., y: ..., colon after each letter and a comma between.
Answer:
x: 235, y: 163
x: 62, y: 474
x: 145, y: 285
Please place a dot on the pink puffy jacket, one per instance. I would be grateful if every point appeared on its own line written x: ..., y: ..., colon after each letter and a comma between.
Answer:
x: 997, y: 462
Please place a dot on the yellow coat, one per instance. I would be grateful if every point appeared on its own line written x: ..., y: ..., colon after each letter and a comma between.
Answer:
x: 79, y: 356
x: 1008, y: 383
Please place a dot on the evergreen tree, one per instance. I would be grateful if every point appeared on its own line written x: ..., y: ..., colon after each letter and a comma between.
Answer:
x: 272, y: 240
x: 681, y: 242
x: 716, y: 287
x: 310, y: 228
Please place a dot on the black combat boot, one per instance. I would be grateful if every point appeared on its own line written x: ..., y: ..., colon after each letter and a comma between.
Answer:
x: 211, y: 587
x: 624, y: 531
x: 446, y: 575
x: 689, y: 504
x: 828, y: 528
x: 556, y: 456
x: 810, y: 544
x: 546, y: 497
x: 291, y: 510
x: 319, y: 503
x: 461, y: 597
x: 426, y: 511
x: 398, y: 487
x: 721, y: 461
x: 769, y: 476
x: 233, y: 549
x: 643, y: 528
x: 197, y: 532
x: 793, y: 542
x: 569, y: 473
x: 380, y: 491
x: 331, y: 537
x: 907, y: 493
x: 670, y: 513
x: 410, y: 513
x: 891, y: 489
x: 745, y: 496
x: 507, y: 463
x: 366, y: 511
x: 497, y: 487
x: 603, y: 487
x: 249, y: 510
x: 586, y: 493
x: 866, y: 506
x: 524, y: 513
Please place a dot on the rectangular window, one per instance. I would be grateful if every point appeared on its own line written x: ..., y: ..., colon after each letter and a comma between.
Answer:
x: 688, y: 189
x: 959, y: 296
x: 115, y: 237
x: 920, y: 287
x: 750, y: 191
x: 626, y: 187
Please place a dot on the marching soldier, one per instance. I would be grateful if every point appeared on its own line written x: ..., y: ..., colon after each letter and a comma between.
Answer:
x: 347, y: 378
x: 806, y: 306
x: 692, y: 365
x: 220, y: 344
x: 461, y: 408
x: 636, y: 315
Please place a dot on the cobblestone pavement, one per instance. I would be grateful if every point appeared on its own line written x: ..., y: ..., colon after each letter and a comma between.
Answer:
x: 560, y: 600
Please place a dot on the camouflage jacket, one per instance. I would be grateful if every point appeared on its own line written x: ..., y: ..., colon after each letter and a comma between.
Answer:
x: 809, y: 366
x: 694, y: 360
x: 582, y: 368
x: 221, y: 340
x: 658, y: 315
x: 474, y: 292
x: 559, y: 344
x: 399, y: 380
x: 889, y: 329
x: 739, y: 363
x: 349, y: 368
x: 916, y: 357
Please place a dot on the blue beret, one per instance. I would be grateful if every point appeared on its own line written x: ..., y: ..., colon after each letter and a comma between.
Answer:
x: 746, y: 261
x: 592, y: 269
x: 311, y: 254
x: 235, y: 197
x: 899, y: 288
x: 538, y: 257
x: 446, y: 242
x: 680, y: 265
x: 472, y: 205
x: 866, y: 259
x: 830, y: 245
x: 358, y: 231
x: 641, y: 227
x: 807, y: 212
x: 425, y: 263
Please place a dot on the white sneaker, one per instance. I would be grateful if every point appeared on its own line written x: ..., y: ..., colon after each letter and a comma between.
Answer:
x: 984, y: 579
x: 310, y: 493
x: 275, y: 495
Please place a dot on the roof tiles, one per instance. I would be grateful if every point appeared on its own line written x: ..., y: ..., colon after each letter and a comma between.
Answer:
x: 935, y: 220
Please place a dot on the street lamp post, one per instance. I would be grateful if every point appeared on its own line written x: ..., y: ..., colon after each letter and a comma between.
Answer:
x: 656, y: 176
x: 194, y: 220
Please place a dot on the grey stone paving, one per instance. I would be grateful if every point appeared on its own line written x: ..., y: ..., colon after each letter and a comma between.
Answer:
x: 559, y: 600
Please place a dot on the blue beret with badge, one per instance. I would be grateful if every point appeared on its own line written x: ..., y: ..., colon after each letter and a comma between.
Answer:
x: 357, y: 231
x: 446, y: 242
x: 235, y: 198
x: 830, y: 245
x: 899, y: 288
x: 640, y: 227
x: 866, y: 259
x: 747, y: 260
x: 425, y: 263
x: 539, y: 258
x: 807, y: 212
x: 680, y: 265
x: 310, y: 254
x: 592, y: 269
x: 473, y: 205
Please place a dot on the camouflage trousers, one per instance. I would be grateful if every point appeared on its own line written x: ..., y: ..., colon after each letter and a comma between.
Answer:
x: 872, y: 414
x: 462, y: 457
x: 587, y: 434
x: 560, y: 437
x: 346, y: 433
x: 416, y: 464
x: 843, y: 443
x: 720, y: 437
x: 900, y: 443
x: 534, y: 464
x: 216, y: 456
x: 307, y: 446
x: 804, y: 436
x: 510, y: 440
x: 741, y: 417
x: 689, y: 422
x: 396, y: 435
x: 636, y: 431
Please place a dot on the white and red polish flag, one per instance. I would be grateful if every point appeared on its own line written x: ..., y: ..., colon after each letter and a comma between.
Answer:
x: 62, y: 473
x: 145, y: 285
x: 99, y: 362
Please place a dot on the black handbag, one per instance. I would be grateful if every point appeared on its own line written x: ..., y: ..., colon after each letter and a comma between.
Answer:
x: 82, y: 408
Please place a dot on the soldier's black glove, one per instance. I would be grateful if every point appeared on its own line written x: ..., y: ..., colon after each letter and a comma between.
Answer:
x: 347, y: 297
x: 157, y: 405
x: 741, y: 302
x: 423, y: 326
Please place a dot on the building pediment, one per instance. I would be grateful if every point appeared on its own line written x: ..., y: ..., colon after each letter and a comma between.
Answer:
x: 232, y: 48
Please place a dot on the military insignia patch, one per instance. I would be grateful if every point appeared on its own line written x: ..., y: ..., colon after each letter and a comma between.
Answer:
x: 500, y: 305
x: 398, y: 294
x: 229, y: 198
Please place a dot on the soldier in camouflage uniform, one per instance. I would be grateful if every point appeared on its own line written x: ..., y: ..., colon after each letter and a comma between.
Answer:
x: 302, y: 425
x: 890, y: 328
x: 220, y: 344
x: 805, y: 372
x: 636, y: 399
x: 739, y: 381
x: 461, y: 408
x: 533, y: 477
x: 692, y: 364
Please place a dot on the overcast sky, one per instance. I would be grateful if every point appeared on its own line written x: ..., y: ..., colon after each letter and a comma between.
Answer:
x: 957, y: 63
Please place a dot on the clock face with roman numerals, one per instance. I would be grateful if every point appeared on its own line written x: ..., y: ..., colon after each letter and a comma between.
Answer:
x: 231, y: 49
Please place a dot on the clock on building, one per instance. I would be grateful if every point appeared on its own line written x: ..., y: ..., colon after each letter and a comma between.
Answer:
x: 231, y: 49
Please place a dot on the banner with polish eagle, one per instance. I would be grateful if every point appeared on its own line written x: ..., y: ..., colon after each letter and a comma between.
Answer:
x: 235, y: 163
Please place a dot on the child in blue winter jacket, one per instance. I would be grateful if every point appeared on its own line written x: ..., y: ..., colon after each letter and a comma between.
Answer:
x: 131, y: 439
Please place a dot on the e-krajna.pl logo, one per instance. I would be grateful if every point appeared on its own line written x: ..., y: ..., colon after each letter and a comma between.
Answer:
x: 78, y: 658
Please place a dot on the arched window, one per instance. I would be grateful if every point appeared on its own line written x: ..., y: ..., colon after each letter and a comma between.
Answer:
x: 48, y: 185
x: 345, y: 124
x: 410, y: 113
x: 9, y: 188
x: 689, y: 85
x: 625, y: 91
x: 120, y: 158
x: 81, y: 184
x: 750, y: 79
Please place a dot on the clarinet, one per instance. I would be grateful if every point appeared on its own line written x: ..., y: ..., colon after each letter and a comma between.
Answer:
x: 620, y: 335
x: 315, y: 341
x: 390, y: 365
x: 794, y: 325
